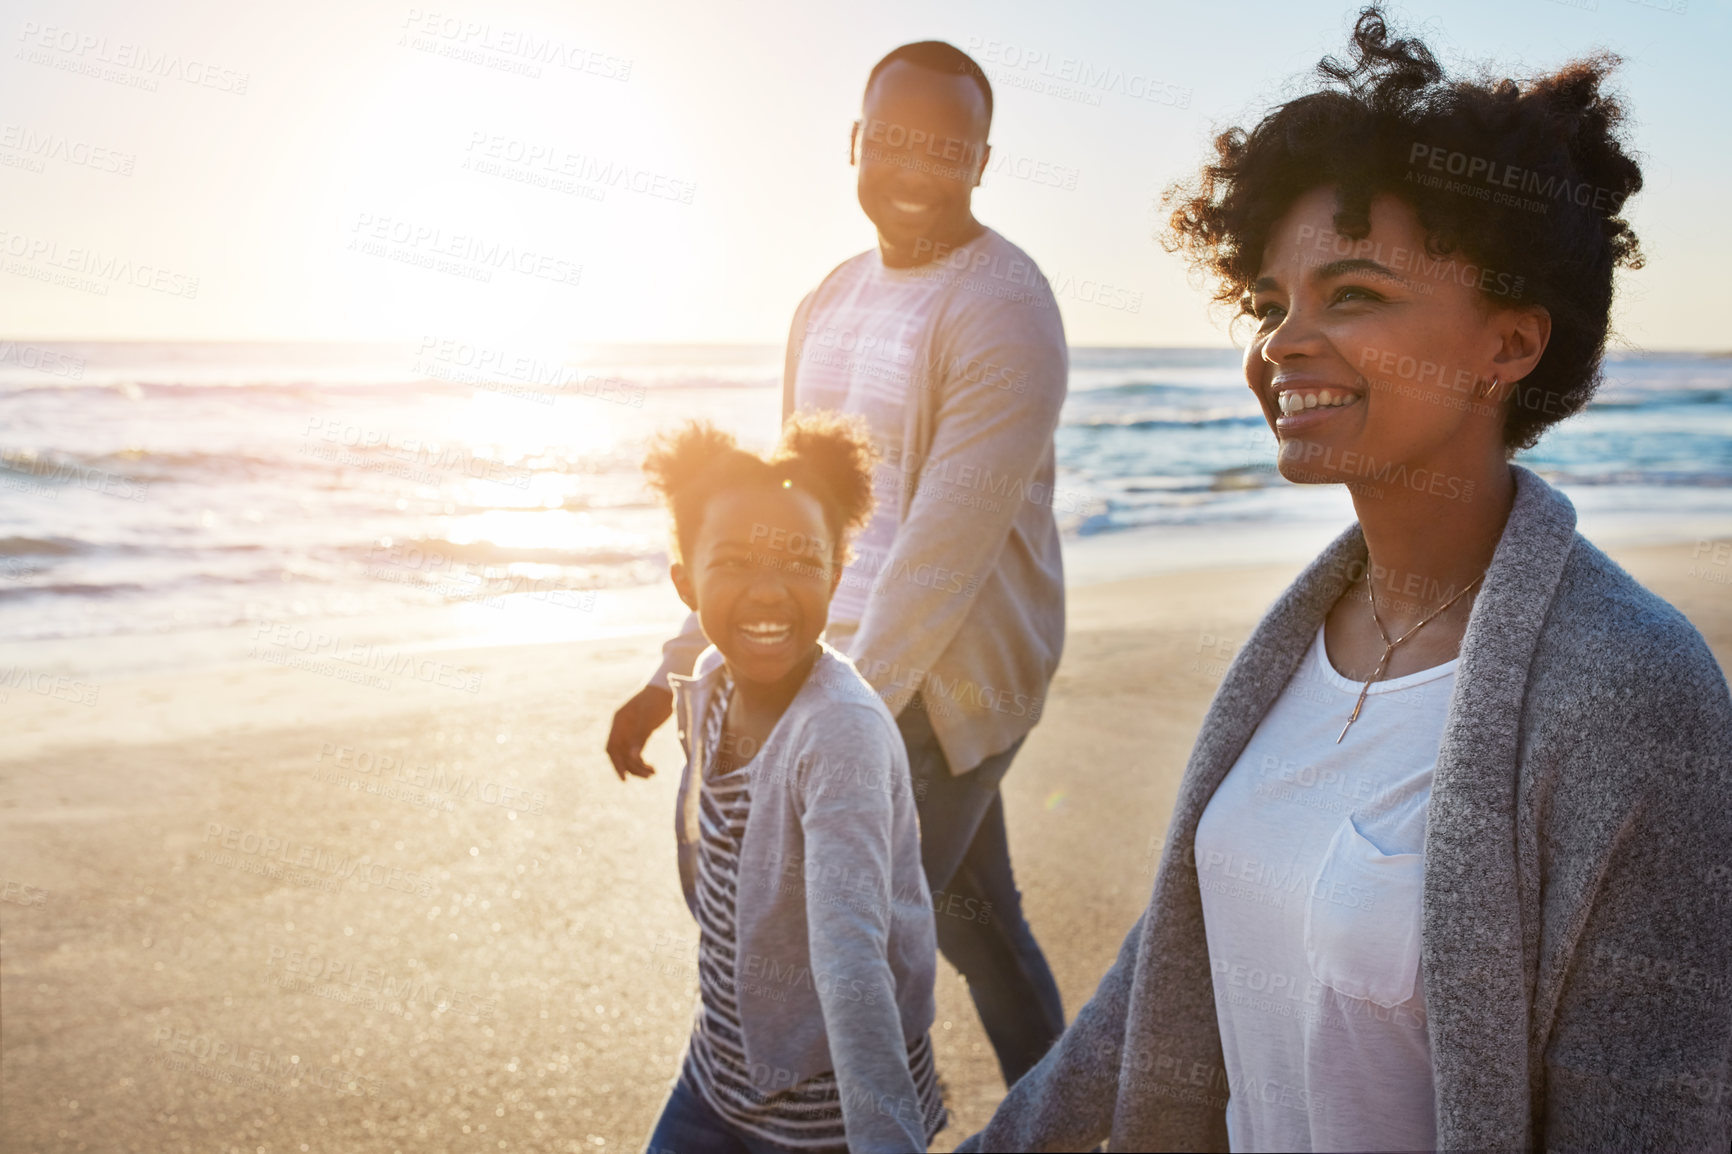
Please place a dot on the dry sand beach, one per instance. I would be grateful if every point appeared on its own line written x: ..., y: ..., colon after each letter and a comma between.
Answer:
x: 261, y: 909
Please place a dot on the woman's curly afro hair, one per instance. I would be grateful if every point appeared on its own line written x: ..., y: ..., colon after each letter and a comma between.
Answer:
x: 826, y: 454
x: 1527, y: 178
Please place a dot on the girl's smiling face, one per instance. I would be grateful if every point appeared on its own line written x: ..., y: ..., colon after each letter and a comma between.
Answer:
x: 760, y: 576
x: 1367, y: 356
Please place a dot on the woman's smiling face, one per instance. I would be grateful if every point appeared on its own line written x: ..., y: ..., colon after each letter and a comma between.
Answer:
x: 1370, y: 353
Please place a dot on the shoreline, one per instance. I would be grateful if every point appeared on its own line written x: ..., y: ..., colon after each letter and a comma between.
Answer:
x: 52, y: 694
x: 653, y: 610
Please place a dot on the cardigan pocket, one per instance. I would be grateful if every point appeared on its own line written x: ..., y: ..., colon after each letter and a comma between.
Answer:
x: 1362, y: 922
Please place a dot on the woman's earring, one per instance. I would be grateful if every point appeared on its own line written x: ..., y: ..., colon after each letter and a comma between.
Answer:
x: 1482, y: 394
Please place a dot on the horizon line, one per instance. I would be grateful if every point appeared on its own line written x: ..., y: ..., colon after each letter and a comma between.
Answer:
x: 1714, y: 353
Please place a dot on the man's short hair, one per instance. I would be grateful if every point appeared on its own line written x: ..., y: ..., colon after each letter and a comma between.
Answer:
x: 937, y: 56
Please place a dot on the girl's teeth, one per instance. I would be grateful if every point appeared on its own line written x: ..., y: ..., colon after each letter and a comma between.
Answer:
x: 1310, y: 400
x: 1323, y: 398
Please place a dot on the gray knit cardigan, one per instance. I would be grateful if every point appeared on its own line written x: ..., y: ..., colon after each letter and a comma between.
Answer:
x: 1577, y: 940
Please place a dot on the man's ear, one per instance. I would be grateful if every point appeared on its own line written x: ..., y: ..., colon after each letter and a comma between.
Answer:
x: 853, y: 141
x: 683, y: 585
x: 985, y: 155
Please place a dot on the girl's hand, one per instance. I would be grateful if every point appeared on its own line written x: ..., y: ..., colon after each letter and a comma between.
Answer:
x: 632, y: 726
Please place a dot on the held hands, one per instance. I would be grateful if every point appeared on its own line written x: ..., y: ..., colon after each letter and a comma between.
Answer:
x: 632, y: 726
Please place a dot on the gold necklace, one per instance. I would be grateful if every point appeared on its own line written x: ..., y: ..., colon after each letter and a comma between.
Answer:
x: 1389, y: 646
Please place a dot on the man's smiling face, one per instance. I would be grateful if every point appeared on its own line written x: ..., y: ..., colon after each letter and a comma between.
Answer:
x: 921, y: 145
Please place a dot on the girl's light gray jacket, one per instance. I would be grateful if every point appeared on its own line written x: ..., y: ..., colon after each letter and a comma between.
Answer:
x: 1577, y: 910
x: 835, y: 950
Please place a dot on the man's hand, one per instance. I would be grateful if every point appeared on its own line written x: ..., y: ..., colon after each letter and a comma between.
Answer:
x: 632, y: 726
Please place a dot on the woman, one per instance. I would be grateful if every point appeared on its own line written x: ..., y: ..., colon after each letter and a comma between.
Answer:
x: 1447, y: 867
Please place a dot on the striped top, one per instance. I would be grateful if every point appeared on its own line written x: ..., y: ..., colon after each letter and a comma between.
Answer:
x: 859, y: 356
x: 807, y: 1116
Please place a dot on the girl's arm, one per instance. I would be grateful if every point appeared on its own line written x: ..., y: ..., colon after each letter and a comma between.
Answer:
x: 852, y: 829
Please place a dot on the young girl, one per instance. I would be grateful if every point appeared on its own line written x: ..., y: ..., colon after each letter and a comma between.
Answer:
x: 799, y: 850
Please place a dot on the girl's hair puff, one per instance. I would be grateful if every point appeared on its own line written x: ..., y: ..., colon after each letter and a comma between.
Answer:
x: 829, y: 455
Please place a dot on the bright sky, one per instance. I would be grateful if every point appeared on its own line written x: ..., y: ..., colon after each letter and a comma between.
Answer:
x: 305, y: 163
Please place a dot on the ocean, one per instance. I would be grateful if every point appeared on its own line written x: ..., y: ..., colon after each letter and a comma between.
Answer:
x: 152, y: 490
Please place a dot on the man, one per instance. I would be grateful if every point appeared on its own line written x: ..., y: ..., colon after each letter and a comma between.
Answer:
x: 947, y: 340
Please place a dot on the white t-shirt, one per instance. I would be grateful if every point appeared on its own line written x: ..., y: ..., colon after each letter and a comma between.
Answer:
x: 1310, y: 857
x: 858, y: 356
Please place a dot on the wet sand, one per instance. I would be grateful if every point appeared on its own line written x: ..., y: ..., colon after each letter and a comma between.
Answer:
x: 265, y: 909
